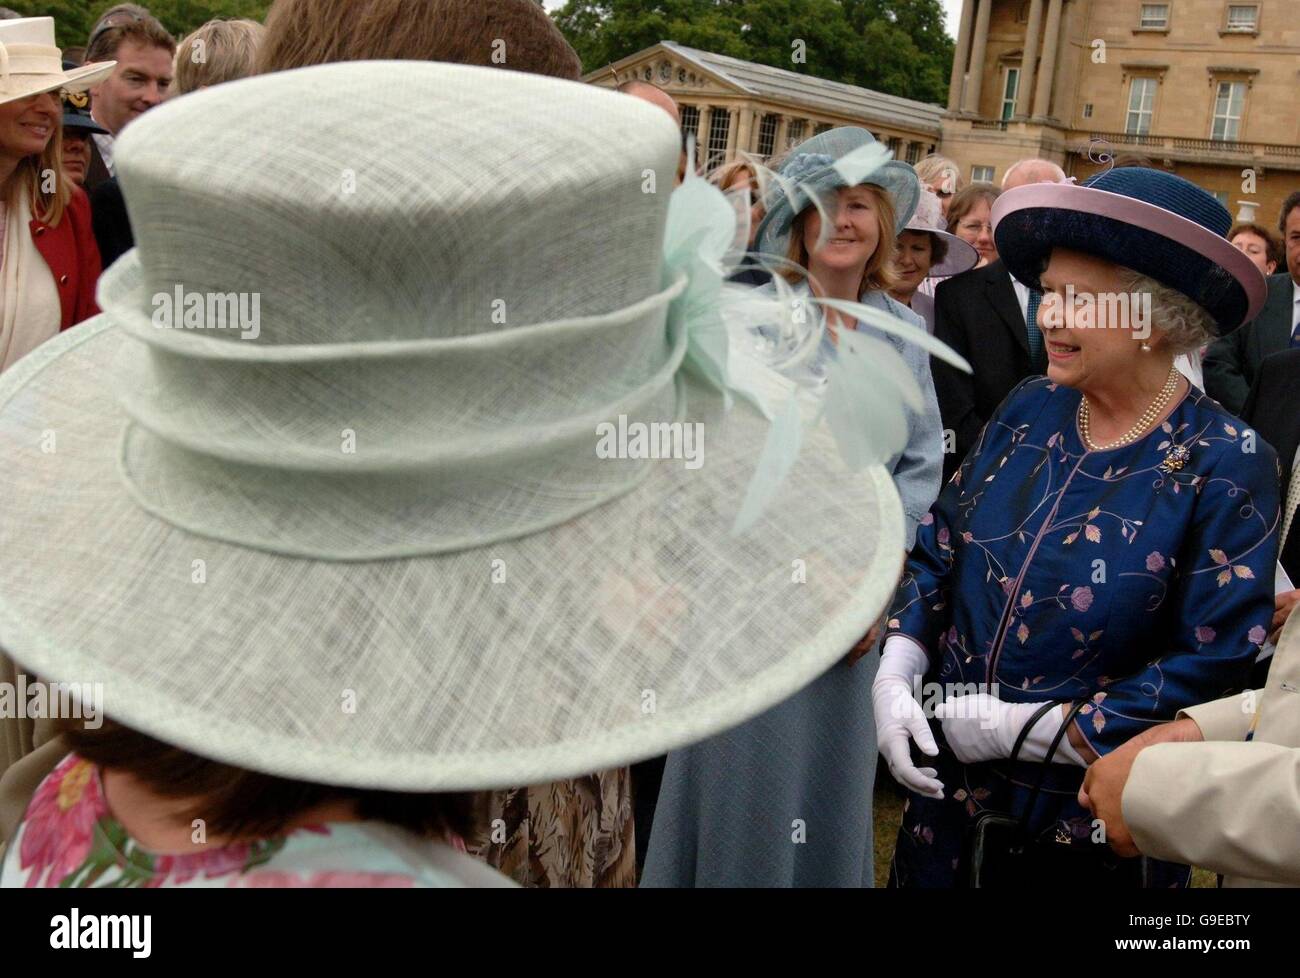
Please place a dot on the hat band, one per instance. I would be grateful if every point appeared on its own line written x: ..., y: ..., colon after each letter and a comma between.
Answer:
x: 29, y: 59
x: 412, y: 447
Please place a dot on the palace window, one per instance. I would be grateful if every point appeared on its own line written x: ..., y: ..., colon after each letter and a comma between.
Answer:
x: 981, y: 174
x: 794, y: 135
x: 913, y: 153
x: 1154, y: 17
x: 767, y: 135
x: 691, y: 124
x: 1228, y: 105
x: 719, y: 130
x: 1141, y: 106
x: 1009, y: 90
x: 1243, y: 18
x: 894, y: 145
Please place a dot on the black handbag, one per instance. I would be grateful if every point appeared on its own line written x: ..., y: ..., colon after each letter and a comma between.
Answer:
x: 1001, y: 852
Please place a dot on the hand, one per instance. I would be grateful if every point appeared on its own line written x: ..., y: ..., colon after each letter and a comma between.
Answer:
x: 900, y: 719
x: 1103, y: 786
x: 981, y: 727
x: 1283, y: 605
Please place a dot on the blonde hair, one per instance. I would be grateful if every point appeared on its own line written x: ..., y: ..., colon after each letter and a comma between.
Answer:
x: 936, y: 171
x: 722, y: 176
x: 30, y: 177
x: 879, y: 273
x: 219, y: 51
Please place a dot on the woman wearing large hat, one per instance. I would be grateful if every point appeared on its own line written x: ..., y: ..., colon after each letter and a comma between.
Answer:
x: 786, y: 799
x: 364, y: 545
x: 50, y: 262
x: 1108, y: 543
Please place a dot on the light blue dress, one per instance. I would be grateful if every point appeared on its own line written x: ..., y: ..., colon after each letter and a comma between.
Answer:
x: 785, y: 799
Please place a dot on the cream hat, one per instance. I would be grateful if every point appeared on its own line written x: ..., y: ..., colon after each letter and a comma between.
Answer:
x: 373, y: 538
x: 31, y: 63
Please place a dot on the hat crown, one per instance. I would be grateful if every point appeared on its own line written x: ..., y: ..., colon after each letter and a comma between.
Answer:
x: 1166, y: 190
x: 28, y: 30
x: 471, y: 204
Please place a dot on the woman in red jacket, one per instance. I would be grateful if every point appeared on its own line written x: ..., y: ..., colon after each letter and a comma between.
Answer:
x: 49, y: 264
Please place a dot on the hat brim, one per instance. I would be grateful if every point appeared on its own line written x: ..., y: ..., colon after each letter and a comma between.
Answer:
x: 897, y: 179
x: 1030, y: 221
x: 74, y: 81
x: 638, y: 627
x: 84, y: 123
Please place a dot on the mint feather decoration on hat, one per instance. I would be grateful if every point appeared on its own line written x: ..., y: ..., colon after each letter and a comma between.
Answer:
x: 867, y: 383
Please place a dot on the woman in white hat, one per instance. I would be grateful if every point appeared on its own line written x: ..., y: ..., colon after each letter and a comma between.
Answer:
x: 50, y: 262
x: 786, y: 799
x: 381, y: 538
x: 926, y: 251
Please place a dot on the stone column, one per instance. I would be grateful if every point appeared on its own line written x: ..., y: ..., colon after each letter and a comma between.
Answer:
x: 1029, y: 64
x: 702, y: 137
x: 961, y: 57
x: 1051, y: 43
x: 745, y: 135
x: 731, y: 136
x: 978, y: 51
x: 782, y: 134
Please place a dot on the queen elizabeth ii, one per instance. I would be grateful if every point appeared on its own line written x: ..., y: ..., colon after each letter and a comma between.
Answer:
x: 1109, y: 539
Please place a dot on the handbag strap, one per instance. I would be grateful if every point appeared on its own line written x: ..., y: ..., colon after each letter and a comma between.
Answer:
x: 1051, y: 751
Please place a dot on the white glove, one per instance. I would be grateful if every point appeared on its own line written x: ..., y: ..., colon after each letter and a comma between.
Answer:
x: 900, y: 718
x: 981, y: 727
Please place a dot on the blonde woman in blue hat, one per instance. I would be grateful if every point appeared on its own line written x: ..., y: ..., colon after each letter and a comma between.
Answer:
x: 786, y: 799
x: 1104, y: 556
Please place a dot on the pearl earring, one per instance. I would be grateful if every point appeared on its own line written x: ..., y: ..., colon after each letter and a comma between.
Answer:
x: 1146, y: 347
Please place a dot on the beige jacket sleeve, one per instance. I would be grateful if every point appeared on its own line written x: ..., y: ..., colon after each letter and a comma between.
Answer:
x: 1230, y: 807
x: 1226, y: 719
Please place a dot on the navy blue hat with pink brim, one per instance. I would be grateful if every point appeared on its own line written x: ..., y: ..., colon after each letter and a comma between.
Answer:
x: 1155, y: 223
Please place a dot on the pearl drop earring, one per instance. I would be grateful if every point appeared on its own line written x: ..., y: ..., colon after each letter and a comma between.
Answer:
x: 1146, y: 347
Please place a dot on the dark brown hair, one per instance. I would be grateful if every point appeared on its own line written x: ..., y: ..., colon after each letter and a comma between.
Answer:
x: 312, y: 32
x: 1272, y: 247
x: 244, y: 804
x: 144, y: 29
x: 965, y: 201
x: 1288, y: 205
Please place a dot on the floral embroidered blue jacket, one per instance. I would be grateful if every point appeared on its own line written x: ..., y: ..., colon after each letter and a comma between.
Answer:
x: 1139, y: 577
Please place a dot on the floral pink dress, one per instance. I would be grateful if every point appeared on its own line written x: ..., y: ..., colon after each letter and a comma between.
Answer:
x: 69, y: 838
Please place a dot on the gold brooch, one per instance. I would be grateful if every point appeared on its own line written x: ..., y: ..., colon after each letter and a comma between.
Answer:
x: 1176, y: 459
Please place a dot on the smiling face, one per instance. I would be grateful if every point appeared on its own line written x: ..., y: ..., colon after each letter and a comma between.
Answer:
x: 1090, y: 342
x: 28, y: 124
x: 913, y: 261
x: 976, y: 229
x: 141, y: 80
x: 853, y: 236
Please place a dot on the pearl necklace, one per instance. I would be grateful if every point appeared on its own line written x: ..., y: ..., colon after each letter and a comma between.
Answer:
x: 1143, y: 423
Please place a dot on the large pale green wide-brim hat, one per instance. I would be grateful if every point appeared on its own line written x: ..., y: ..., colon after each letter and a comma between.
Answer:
x: 369, y: 539
x: 810, y: 171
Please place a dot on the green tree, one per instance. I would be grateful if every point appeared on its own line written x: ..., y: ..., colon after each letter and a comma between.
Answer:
x: 894, y: 46
x: 73, y: 19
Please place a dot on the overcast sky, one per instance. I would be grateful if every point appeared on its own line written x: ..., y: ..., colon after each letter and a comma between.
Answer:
x: 951, y: 7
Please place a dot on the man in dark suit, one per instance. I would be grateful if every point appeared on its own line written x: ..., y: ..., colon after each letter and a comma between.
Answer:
x: 1232, y: 364
x: 981, y: 315
x: 1273, y: 410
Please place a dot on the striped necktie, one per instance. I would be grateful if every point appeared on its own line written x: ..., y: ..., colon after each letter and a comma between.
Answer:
x: 1037, y: 348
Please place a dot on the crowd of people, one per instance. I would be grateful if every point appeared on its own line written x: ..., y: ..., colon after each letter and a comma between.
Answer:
x: 1075, y: 407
